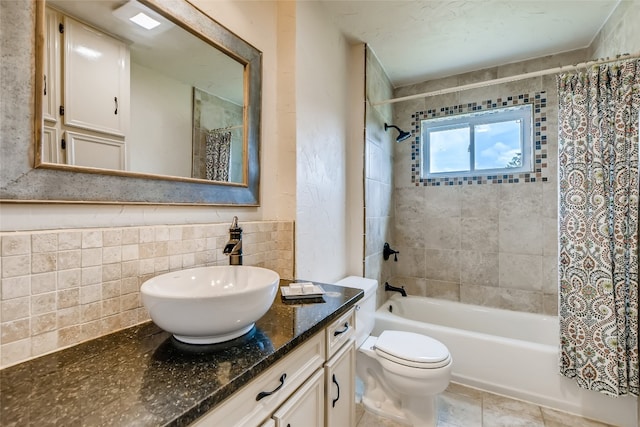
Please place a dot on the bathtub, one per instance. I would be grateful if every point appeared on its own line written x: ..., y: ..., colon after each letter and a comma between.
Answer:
x: 506, y: 352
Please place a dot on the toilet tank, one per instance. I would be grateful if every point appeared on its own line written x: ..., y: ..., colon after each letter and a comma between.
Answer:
x: 366, y: 307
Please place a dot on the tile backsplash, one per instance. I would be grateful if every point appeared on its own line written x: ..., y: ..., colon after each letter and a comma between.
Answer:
x: 62, y: 287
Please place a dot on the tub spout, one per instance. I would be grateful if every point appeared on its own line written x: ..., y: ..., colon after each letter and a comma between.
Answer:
x: 388, y: 287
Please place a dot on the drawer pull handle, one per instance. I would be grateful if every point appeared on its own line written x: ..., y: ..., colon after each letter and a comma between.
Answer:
x: 333, y: 402
x: 269, y: 393
x: 346, y: 328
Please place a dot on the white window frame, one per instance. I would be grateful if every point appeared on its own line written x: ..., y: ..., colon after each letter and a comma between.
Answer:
x: 524, y: 113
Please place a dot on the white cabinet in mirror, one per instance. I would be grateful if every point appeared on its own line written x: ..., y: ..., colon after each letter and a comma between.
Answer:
x: 156, y: 101
x: 86, y: 106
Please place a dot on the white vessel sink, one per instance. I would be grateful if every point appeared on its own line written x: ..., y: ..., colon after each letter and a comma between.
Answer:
x: 209, y: 305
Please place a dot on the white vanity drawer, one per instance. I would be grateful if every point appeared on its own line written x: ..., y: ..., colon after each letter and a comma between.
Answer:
x: 243, y: 408
x: 340, y: 331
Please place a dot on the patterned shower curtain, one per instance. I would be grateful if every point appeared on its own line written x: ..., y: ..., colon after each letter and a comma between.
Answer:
x: 218, y: 155
x: 598, y: 225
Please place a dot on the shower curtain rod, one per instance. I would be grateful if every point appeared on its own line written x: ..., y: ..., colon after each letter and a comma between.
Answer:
x: 227, y: 128
x: 508, y: 79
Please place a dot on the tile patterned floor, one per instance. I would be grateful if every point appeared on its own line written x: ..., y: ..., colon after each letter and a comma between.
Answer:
x: 461, y: 406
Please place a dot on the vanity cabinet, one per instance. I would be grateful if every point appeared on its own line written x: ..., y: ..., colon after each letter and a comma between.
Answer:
x: 305, y: 408
x: 257, y: 401
x: 313, y: 386
x: 86, y: 94
x: 339, y: 372
x: 340, y: 404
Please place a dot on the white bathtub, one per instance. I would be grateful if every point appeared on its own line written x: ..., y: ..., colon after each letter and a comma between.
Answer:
x: 506, y: 352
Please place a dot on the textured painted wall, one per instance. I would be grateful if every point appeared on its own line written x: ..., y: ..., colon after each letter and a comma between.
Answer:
x: 322, y: 57
x: 620, y: 34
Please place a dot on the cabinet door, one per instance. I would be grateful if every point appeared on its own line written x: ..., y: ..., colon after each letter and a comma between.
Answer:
x: 50, y: 145
x: 94, y: 152
x: 51, y: 86
x: 96, y: 79
x: 305, y: 408
x: 340, y: 382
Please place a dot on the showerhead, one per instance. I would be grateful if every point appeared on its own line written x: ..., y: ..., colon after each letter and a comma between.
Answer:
x: 402, y: 134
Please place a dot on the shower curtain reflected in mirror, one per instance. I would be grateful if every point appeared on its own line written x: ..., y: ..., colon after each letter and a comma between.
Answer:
x: 598, y: 225
x: 218, y: 155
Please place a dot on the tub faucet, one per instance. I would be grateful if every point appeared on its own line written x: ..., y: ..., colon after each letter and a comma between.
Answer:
x: 388, y: 287
x: 233, y: 248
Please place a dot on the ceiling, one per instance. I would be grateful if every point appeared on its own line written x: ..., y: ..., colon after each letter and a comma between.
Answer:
x: 422, y: 40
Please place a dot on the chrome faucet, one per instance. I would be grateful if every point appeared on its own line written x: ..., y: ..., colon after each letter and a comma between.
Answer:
x: 233, y: 248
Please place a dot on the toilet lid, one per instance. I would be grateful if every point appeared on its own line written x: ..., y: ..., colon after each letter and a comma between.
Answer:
x: 412, y: 349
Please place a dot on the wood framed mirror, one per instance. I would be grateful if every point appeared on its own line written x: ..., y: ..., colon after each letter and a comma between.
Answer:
x: 182, y: 110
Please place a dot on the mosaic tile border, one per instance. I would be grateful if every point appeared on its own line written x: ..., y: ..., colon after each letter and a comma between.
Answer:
x: 541, y: 171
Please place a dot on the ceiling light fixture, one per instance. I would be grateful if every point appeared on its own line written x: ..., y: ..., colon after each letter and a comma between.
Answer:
x: 145, y: 21
x: 137, y: 13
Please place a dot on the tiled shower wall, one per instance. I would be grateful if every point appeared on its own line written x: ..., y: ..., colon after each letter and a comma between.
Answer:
x: 492, y: 244
x: 62, y: 287
x: 378, y: 173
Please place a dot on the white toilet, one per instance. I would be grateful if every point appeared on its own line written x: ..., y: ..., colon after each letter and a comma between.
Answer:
x: 402, y: 372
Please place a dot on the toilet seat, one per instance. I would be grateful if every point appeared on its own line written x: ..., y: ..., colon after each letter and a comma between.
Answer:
x: 412, y: 350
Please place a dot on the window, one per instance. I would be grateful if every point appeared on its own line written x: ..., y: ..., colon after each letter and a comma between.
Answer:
x: 492, y: 142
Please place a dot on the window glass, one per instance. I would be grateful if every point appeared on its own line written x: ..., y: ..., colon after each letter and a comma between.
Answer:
x: 496, y: 141
x: 498, y: 145
x: 449, y: 150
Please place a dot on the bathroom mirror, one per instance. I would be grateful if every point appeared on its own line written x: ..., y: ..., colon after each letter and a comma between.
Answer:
x: 188, y: 96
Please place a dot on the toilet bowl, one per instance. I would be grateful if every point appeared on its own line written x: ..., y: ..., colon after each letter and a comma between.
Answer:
x: 402, y: 372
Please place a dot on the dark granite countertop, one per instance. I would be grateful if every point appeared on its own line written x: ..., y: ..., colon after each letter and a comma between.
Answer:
x: 142, y: 376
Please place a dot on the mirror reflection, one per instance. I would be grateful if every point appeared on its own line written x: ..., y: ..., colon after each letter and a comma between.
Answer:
x: 127, y: 90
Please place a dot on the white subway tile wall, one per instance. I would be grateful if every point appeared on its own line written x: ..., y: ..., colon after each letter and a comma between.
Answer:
x: 62, y: 287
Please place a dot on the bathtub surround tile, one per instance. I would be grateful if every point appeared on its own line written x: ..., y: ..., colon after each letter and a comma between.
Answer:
x: 443, y: 290
x: 442, y: 265
x: 58, y: 288
x: 521, y: 200
x: 479, y: 268
x: 412, y: 285
x: 520, y: 271
x: 550, y: 304
x: 443, y: 233
x: 550, y: 237
x: 480, y: 201
x: 479, y: 234
x: 509, y: 299
x: 516, y: 239
x: 409, y: 218
x: 512, y: 221
x: 442, y: 202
